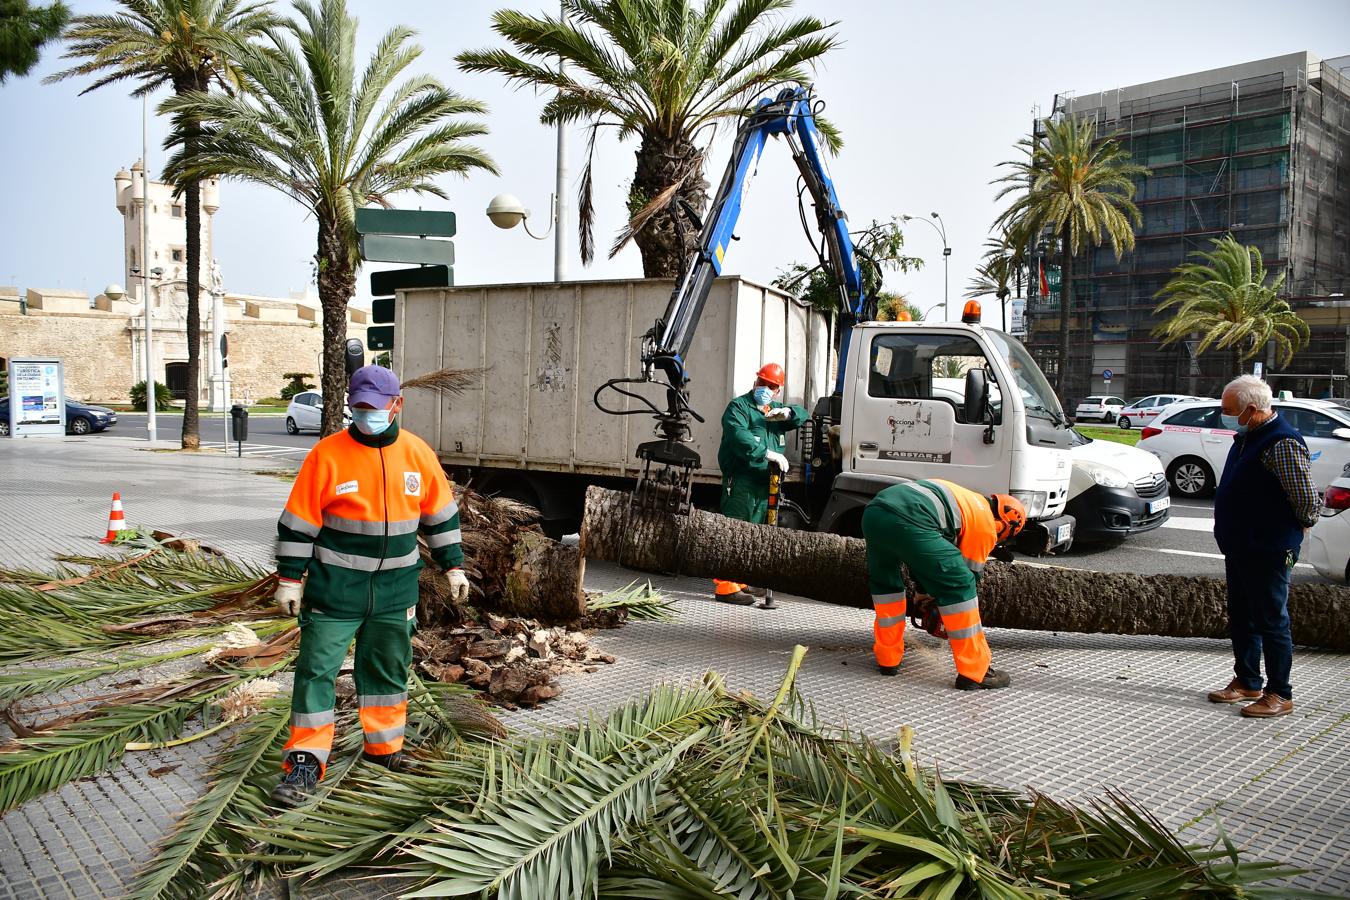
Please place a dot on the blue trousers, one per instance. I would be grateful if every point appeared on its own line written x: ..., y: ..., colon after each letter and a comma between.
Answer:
x: 1258, y: 619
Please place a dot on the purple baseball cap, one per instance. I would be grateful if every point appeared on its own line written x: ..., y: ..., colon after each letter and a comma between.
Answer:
x: 372, y: 385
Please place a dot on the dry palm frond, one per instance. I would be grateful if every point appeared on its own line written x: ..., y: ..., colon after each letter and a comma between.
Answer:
x: 451, y: 381
x: 660, y: 203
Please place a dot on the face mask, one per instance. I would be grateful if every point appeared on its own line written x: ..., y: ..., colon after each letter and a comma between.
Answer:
x: 371, y: 421
x: 1232, y: 423
x: 763, y: 395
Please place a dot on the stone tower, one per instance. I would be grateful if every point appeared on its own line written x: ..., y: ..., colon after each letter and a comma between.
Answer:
x: 167, y: 245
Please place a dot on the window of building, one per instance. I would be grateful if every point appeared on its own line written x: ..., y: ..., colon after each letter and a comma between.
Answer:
x: 176, y: 211
x: 177, y: 255
x: 131, y: 255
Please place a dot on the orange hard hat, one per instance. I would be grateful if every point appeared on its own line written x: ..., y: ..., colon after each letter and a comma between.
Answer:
x: 771, y: 373
x: 1010, y: 515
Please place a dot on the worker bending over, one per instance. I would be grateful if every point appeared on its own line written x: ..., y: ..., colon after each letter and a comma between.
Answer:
x: 944, y: 533
x: 351, y: 527
x: 754, y: 438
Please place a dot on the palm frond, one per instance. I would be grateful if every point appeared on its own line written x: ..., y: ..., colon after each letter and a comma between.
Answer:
x: 640, y: 601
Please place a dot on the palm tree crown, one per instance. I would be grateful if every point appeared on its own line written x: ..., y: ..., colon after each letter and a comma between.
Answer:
x: 1224, y: 298
x: 333, y: 138
x: 660, y: 71
x: 1078, y: 188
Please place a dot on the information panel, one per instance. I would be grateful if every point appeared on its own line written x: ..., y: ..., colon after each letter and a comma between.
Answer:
x: 36, y: 397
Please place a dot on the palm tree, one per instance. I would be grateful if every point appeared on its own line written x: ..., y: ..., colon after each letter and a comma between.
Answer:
x: 1079, y: 189
x: 896, y: 307
x: 1225, y: 298
x: 23, y: 31
x: 662, y: 71
x: 1002, y: 267
x: 333, y: 138
x: 189, y: 45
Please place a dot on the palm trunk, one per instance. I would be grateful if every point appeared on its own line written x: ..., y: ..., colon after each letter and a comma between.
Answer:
x: 337, y: 285
x: 661, y: 162
x: 833, y: 569
x: 1064, y: 384
x: 192, y: 202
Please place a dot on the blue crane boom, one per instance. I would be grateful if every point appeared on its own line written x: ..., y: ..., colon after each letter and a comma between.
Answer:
x: 790, y: 116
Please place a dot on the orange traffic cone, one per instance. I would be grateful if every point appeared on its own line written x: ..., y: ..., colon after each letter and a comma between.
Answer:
x: 117, y: 522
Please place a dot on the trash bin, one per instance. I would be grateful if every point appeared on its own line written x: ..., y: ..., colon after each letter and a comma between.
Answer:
x: 238, y: 423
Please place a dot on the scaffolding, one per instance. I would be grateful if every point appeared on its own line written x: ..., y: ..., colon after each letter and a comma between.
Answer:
x: 1264, y: 158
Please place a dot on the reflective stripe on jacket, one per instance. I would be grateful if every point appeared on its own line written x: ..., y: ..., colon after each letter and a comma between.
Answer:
x: 964, y: 517
x: 353, y: 516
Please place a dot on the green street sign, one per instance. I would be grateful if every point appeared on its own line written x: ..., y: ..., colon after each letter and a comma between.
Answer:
x: 382, y: 310
x: 386, y: 248
x: 418, y: 222
x: 385, y: 284
x: 380, y: 337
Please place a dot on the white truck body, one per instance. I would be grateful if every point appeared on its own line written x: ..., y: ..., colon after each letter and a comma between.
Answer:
x: 547, y: 347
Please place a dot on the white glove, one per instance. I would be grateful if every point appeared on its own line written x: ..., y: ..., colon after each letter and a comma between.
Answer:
x: 288, y: 596
x: 777, y: 459
x: 459, y: 585
x: 779, y: 414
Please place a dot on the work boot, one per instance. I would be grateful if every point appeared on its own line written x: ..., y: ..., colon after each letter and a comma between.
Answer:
x: 1268, y: 707
x: 1233, y: 693
x: 740, y: 598
x: 992, y: 679
x: 888, y: 670
x: 394, y: 762
x: 299, y: 784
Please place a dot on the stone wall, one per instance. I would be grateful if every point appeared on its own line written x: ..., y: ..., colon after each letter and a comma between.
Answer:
x: 260, y: 352
x: 95, y: 347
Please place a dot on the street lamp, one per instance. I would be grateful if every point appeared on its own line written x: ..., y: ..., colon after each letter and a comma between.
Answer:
x: 156, y: 273
x: 941, y: 229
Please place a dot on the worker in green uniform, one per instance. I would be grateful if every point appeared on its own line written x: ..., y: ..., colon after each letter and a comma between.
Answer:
x: 754, y: 438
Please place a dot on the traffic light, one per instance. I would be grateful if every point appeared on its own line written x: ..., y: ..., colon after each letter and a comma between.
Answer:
x: 403, y: 235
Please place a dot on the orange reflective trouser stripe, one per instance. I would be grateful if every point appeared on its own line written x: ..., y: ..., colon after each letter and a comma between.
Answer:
x: 888, y: 630
x: 723, y: 588
x: 965, y: 634
x: 312, y: 733
x: 382, y: 719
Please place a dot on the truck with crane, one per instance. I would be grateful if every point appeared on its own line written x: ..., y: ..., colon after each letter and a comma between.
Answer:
x: 544, y: 421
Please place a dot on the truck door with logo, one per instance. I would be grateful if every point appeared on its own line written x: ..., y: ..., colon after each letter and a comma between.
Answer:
x: 907, y: 419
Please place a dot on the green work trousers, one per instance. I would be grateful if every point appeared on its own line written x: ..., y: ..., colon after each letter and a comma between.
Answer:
x: 746, y: 497
x: 383, y: 655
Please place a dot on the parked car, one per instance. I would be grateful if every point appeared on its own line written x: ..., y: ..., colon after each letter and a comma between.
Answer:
x: 305, y: 412
x: 1192, y: 444
x: 1329, y: 543
x: 1115, y: 490
x: 1099, y: 407
x: 1141, y: 412
x: 81, y: 418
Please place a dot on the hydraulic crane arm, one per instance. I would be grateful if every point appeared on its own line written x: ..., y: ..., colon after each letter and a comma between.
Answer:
x: 791, y: 117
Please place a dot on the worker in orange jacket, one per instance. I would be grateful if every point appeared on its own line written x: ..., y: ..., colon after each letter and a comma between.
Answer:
x: 349, y: 531
x: 945, y: 534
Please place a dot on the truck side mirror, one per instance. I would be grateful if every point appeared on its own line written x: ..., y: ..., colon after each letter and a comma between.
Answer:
x: 977, y: 396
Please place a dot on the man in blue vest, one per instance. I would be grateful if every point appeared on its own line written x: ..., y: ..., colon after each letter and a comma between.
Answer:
x: 1265, y: 504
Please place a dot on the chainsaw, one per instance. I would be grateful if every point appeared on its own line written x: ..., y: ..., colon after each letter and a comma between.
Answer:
x: 923, y: 613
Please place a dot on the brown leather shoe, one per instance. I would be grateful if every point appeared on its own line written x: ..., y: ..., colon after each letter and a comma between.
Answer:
x: 1268, y: 707
x: 1234, y: 693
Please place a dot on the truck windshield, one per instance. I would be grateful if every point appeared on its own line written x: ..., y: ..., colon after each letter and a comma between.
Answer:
x: 1037, y: 394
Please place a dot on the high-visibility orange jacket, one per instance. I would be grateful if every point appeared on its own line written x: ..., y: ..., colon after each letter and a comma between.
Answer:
x: 352, y: 520
x: 962, y: 516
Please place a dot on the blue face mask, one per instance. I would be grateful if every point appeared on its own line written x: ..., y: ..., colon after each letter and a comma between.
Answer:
x: 1232, y: 423
x: 763, y: 395
x: 371, y: 421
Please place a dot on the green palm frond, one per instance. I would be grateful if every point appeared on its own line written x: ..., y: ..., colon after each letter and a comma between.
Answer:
x: 1224, y: 297
x: 640, y: 601
x: 243, y: 773
x: 16, y: 685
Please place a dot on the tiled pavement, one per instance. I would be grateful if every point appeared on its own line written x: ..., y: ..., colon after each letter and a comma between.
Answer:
x: 1085, y: 712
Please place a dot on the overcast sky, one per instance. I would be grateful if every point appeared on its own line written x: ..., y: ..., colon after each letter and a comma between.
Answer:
x: 929, y: 97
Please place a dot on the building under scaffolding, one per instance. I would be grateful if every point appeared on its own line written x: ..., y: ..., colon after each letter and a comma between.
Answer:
x: 1259, y: 150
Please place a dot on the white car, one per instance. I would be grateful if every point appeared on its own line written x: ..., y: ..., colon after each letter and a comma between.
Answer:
x: 1101, y: 407
x: 1141, y: 412
x: 305, y: 412
x: 1192, y: 444
x: 1329, y: 543
x: 1115, y: 490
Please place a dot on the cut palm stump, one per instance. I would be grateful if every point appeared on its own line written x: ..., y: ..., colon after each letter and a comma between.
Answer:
x: 833, y: 569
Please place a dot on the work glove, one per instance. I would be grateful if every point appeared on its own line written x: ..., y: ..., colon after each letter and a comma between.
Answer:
x: 777, y: 459
x: 288, y: 596
x: 779, y: 414
x: 459, y: 585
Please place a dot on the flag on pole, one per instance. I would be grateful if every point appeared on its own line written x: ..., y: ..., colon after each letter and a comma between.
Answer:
x: 1045, y: 285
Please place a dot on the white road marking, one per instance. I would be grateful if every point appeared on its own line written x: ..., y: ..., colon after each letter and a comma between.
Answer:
x: 1214, y: 556
x: 1183, y: 523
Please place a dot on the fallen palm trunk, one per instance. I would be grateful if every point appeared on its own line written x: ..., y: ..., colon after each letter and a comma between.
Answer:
x: 833, y: 569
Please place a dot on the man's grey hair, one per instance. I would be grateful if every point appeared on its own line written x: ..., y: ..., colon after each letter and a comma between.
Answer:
x: 1250, y: 391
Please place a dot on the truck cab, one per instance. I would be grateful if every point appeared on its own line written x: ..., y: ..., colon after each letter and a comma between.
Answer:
x: 907, y: 412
